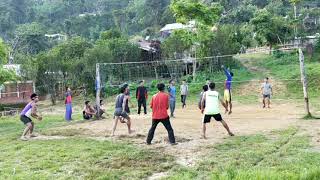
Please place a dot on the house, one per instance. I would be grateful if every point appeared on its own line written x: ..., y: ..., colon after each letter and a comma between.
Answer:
x: 16, y: 92
x: 169, y: 28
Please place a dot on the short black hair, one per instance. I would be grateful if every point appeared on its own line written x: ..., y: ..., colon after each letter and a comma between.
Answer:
x: 231, y: 73
x: 212, y: 85
x: 161, y: 86
x: 141, y: 81
x: 101, y: 101
x: 171, y: 81
x: 122, y: 89
x: 33, y: 95
x: 267, y: 78
x: 86, y: 103
x: 205, y: 88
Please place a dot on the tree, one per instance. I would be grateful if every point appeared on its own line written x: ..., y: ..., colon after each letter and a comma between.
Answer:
x: 294, y: 4
x: 30, y: 39
x: 272, y: 28
x: 3, y: 52
x: 186, y: 10
x: 62, y: 64
x: 5, y: 75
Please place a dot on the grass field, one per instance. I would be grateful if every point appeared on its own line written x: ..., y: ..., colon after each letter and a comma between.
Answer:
x: 282, y: 154
x: 258, y: 151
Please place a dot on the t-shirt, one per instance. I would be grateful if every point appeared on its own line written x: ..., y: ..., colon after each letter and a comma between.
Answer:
x: 266, y: 88
x: 119, y: 101
x: 228, y: 80
x: 68, y: 98
x: 184, y: 89
x: 27, y: 110
x: 142, y: 93
x: 159, y: 105
x: 172, y: 93
x: 211, y: 102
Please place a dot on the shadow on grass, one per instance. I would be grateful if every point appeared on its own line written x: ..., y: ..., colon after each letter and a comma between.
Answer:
x: 311, y: 117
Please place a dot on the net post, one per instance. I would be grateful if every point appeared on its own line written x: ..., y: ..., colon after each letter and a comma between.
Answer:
x: 304, y: 82
x: 98, y: 87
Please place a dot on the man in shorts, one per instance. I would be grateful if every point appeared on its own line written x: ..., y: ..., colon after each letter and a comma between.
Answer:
x: 266, y: 91
x: 88, y: 111
x: 159, y: 105
x: 227, y: 89
x: 120, y: 113
x: 210, y: 108
x: 29, y: 111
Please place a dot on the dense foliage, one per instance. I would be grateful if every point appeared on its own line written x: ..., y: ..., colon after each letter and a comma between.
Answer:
x: 62, y: 40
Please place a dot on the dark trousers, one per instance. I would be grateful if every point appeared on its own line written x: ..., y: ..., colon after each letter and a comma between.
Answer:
x: 166, y: 123
x: 183, y: 100
x: 144, y: 104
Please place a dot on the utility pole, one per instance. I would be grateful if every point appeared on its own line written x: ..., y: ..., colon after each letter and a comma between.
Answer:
x: 304, y: 82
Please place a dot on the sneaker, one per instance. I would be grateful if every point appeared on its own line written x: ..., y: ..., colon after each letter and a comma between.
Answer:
x: 24, y: 138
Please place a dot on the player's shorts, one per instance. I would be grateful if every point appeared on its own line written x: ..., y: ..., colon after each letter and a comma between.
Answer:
x: 25, y: 119
x: 266, y: 96
x: 207, y: 117
x: 227, y: 95
x: 121, y: 113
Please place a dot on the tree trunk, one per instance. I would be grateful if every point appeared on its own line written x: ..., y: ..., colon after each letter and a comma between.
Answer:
x: 194, y: 66
x: 155, y: 71
x: 270, y: 50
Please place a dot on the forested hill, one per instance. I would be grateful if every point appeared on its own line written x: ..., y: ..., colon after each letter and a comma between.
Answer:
x: 87, y: 18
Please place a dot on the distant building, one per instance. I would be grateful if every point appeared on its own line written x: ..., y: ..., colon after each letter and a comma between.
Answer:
x: 169, y: 28
x: 16, y: 92
x: 59, y: 37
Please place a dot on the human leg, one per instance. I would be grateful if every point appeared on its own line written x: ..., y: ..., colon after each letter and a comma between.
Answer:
x: 151, y: 131
x: 167, y: 125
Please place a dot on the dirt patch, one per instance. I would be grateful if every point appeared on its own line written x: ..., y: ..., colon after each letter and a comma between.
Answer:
x: 245, y: 120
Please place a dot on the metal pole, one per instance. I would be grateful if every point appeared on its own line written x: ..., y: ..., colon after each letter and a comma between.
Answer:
x: 304, y: 82
x: 98, y: 90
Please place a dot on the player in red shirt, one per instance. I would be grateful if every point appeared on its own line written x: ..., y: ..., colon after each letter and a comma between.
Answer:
x: 159, y: 105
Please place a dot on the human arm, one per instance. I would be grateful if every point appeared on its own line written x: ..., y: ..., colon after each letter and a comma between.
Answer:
x: 124, y: 103
x: 151, y: 103
x: 137, y: 93
x: 203, y: 99
x: 227, y: 73
x: 34, y: 112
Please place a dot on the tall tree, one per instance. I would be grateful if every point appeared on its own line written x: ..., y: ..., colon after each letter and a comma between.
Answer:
x: 273, y: 28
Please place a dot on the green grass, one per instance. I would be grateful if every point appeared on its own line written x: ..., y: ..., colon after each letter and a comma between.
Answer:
x: 72, y: 158
x: 279, y: 155
x: 275, y: 155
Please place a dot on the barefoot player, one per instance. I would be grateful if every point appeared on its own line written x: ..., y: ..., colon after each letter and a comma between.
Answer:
x: 210, y: 108
x: 227, y: 89
x: 29, y: 111
x: 120, y: 110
